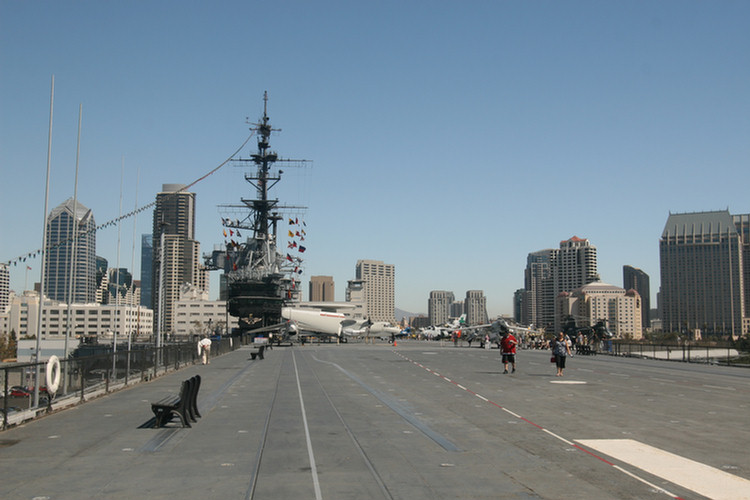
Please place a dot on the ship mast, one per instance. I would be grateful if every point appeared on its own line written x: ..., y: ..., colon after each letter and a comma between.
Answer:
x: 256, y: 282
x: 264, y: 160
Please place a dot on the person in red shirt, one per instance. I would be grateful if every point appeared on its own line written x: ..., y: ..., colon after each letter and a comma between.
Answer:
x: 508, y: 346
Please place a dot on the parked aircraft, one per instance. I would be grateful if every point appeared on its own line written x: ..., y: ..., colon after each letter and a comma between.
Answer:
x: 321, y: 319
x: 378, y: 329
x: 441, y: 332
x: 311, y: 321
x: 494, y: 331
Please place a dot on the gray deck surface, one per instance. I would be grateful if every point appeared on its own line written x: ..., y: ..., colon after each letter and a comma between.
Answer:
x: 416, y: 421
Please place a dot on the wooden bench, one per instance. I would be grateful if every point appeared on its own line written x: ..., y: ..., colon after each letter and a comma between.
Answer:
x: 184, y: 406
x: 259, y: 353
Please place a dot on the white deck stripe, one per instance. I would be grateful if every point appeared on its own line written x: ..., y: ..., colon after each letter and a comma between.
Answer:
x: 558, y: 437
x: 652, y: 485
x: 695, y: 476
x: 313, y: 467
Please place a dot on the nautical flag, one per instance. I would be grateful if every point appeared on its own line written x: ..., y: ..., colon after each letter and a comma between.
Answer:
x: 225, y: 233
x: 302, y: 249
x: 289, y: 258
x: 291, y: 234
x: 28, y: 268
x: 297, y: 234
x: 238, y: 233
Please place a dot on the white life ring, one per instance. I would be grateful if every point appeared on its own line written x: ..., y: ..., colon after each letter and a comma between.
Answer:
x: 53, y: 382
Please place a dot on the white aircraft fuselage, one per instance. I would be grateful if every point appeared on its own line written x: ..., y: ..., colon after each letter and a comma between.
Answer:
x: 317, y: 321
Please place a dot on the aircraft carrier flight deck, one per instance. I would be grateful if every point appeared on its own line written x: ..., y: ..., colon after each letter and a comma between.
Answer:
x: 420, y: 420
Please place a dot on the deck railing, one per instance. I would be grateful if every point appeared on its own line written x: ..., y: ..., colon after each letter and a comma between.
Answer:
x: 85, y: 377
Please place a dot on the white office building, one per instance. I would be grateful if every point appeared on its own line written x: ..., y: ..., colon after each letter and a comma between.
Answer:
x: 87, y: 320
x: 621, y: 310
x: 195, y: 315
x: 379, y: 281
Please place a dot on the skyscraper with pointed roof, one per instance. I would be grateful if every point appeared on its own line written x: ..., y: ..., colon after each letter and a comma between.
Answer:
x: 68, y: 222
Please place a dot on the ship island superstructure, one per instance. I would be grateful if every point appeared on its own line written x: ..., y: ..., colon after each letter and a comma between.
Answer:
x: 258, y: 280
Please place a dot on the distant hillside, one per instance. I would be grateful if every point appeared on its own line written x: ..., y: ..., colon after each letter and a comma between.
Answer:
x: 401, y: 314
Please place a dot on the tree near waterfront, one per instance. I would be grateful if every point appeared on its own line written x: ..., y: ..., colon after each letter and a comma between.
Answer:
x: 742, y: 344
x: 8, y: 346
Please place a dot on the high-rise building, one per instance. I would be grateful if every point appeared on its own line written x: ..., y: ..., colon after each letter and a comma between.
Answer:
x: 475, y: 308
x: 575, y: 265
x: 321, y: 289
x: 355, y: 293
x: 636, y: 279
x: 702, y: 275
x: 120, y: 281
x: 176, y: 253
x: 519, y: 300
x: 553, y: 271
x: 742, y: 223
x: 457, y: 309
x: 539, y: 299
x: 439, y: 306
x: 379, y: 285
x: 4, y: 287
x: 147, y: 267
x: 65, y: 224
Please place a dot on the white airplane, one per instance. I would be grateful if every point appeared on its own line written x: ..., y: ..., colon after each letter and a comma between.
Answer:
x: 377, y: 329
x: 317, y: 321
x: 438, y: 332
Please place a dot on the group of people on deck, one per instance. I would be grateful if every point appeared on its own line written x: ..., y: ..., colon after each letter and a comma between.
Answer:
x: 560, y: 351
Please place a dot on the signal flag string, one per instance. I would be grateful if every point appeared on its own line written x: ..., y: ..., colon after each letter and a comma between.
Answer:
x: 32, y: 255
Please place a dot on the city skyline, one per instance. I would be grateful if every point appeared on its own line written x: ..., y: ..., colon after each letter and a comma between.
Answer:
x: 450, y: 142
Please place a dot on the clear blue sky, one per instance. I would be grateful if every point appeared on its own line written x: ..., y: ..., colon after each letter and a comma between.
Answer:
x: 447, y: 138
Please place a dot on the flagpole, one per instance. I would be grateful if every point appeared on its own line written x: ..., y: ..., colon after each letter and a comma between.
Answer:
x: 132, y: 271
x: 73, y: 260
x: 44, y: 246
x: 117, y: 279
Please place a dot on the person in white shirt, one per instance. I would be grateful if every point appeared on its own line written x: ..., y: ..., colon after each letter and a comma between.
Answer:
x: 204, y: 349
